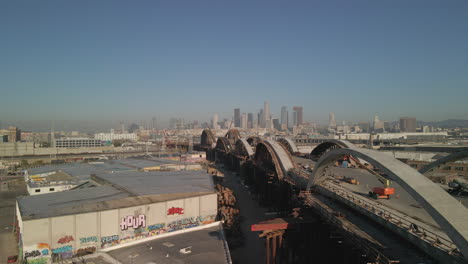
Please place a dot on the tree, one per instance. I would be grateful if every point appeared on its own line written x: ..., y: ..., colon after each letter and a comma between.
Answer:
x: 24, y: 163
x: 117, y: 143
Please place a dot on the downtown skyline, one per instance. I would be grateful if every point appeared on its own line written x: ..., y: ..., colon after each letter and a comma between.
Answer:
x: 191, y: 60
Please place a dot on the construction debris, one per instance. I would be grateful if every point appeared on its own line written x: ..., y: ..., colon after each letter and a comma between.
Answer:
x: 228, y: 213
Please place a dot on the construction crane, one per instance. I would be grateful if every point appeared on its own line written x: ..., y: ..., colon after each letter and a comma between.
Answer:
x: 377, y: 192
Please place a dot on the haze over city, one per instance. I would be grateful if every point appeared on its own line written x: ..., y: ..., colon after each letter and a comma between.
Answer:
x: 115, y: 61
x: 234, y: 132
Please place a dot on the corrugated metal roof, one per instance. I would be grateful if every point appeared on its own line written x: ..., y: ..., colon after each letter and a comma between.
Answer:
x: 161, y: 182
x: 129, y: 189
x: 54, y: 204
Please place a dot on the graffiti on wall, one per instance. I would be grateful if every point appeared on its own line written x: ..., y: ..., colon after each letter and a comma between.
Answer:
x: 109, y: 241
x: 32, y: 254
x: 89, y: 239
x: 62, y: 249
x: 65, y: 239
x: 42, y: 260
x: 85, y: 251
x: 156, y: 229
x: 62, y: 253
x: 208, y: 219
x: 132, y: 221
x: 184, y: 223
x: 38, y: 255
x: 175, y: 210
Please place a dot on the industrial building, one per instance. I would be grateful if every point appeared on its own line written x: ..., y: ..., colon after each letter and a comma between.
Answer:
x: 408, y: 124
x: 61, y: 177
x: 78, y: 143
x: 125, y: 208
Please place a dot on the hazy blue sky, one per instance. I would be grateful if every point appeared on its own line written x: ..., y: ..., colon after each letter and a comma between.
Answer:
x: 124, y: 60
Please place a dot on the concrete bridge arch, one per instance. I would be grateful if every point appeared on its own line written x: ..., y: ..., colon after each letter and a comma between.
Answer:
x: 445, y: 210
x: 328, y: 145
x: 442, y: 161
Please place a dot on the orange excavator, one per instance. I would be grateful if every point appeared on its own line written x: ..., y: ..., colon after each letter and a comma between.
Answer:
x: 377, y: 192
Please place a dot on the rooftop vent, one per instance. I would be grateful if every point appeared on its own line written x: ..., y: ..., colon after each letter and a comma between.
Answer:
x: 168, y: 244
x: 186, y: 250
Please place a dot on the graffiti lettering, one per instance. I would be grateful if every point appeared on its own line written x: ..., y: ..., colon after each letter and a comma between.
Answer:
x: 156, y: 227
x: 184, y: 223
x: 56, y: 257
x: 175, y: 210
x: 45, y: 252
x: 38, y: 261
x: 65, y: 239
x: 43, y: 245
x: 32, y: 254
x: 62, y: 249
x: 88, y: 239
x: 132, y: 221
x: 109, y: 241
x: 85, y: 251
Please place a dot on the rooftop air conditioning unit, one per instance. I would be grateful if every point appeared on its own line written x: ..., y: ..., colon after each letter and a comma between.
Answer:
x: 186, y: 250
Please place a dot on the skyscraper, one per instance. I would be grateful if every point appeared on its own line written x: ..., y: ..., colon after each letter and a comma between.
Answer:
x: 378, y: 125
x: 276, y: 123
x: 407, y: 124
x: 299, y: 116
x: 266, y: 115
x: 284, y: 118
x: 214, y: 122
x: 250, y: 120
x: 153, y: 124
x: 244, y: 121
x: 237, y: 117
x: 331, y: 120
x: 260, y: 119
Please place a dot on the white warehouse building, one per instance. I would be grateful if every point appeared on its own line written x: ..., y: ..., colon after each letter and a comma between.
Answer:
x: 128, y: 206
x: 112, y: 136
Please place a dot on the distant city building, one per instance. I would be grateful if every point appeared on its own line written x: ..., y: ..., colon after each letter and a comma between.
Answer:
x: 77, y: 143
x: 3, y: 138
x: 387, y: 126
x: 331, y: 120
x: 260, y: 120
x: 153, y: 123
x: 237, y: 117
x: 244, y: 121
x: 427, y: 129
x: 250, y: 120
x: 214, y: 122
x: 276, y: 123
x: 299, y: 115
x: 284, y: 118
x: 378, y: 125
x: 176, y: 123
x: 266, y: 115
x: 364, y: 126
x: 13, y: 133
x: 111, y: 136
x: 408, y: 124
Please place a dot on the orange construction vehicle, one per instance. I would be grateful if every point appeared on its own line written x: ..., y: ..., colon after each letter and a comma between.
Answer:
x: 377, y: 192
x: 350, y: 180
x: 382, y: 192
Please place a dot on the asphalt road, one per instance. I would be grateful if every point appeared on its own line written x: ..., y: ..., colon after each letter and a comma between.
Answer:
x: 253, y: 249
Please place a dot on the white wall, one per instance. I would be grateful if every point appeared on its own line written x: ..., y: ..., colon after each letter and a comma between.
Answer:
x: 48, y: 189
x: 67, y: 236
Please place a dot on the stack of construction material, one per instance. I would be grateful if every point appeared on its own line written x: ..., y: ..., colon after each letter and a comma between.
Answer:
x: 229, y: 213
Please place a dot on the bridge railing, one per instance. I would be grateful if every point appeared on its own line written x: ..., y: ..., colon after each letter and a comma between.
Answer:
x: 368, y: 248
x: 410, y: 226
